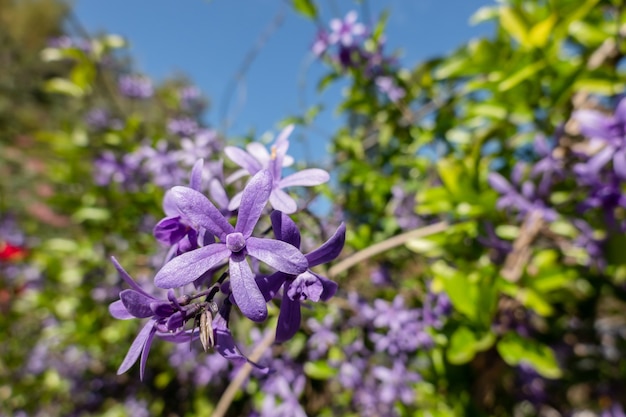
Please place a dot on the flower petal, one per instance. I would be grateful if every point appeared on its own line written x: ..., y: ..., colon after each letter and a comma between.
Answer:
x: 270, y: 284
x: 279, y: 255
x: 243, y: 159
x: 285, y: 229
x: 280, y: 200
x: 124, y: 275
x: 190, y: 266
x: 195, y: 180
x: 330, y: 249
x: 195, y: 207
x: 118, y: 311
x: 144, y: 353
x: 137, y: 304
x: 306, y: 178
x: 245, y: 290
x: 235, y: 202
x: 253, y: 201
x: 288, y: 319
x: 593, y: 124
x: 137, y: 347
x: 225, y: 344
x: 619, y: 163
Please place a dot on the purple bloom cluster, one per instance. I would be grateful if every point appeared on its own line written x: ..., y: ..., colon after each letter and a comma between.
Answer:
x: 215, y: 264
x: 135, y: 86
x: 346, y: 46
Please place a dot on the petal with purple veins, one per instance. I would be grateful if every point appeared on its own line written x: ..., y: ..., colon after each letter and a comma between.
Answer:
x: 253, y: 201
x: 137, y: 346
x: 243, y: 159
x: 245, y: 290
x: 280, y: 200
x: 305, y: 178
x: 189, y: 266
x: 285, y: 229
x: 199, y: 210
x: 279, y: 255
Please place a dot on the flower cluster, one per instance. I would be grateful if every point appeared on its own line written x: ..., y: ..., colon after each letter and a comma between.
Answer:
x: 215, y: 265
x: 352, y: 45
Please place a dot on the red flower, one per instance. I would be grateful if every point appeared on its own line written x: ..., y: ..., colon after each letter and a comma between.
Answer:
x: 9, y: 252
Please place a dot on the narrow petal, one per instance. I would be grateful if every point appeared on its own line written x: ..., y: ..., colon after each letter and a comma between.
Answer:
x: 253, y: 201
x: 124, y: 275
x: 225, y: 344
x: 279, y: 255
x: 247, y: 294
x: 137, y: 347
x: 599, y: 160
x: 189, y: 266
x: 195, y: 180
x: 619, y: 163
x: 499, y: 183
x: 243, y: 159
x: 330, y: 287
x: 118, y: 311
x: 593, y: 124
x: 288, y: 319
x: 199, y: 210
x: 144, y: 353
x: 285, y: 229
x: 330, y: 249
x: 235, y: 202
x: 280, y: 200
x: 169, y: 230
x: 305, y: 178
x: 137, y: 303
x: 259, y: 152
x: 620, y: 111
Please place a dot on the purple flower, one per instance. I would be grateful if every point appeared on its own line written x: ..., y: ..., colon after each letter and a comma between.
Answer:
x: 345, y: 31
x: 202, y: 146
x: 389, y: 87
x: 257, y: 158
x: 609, y: 129
x: 307, y: 285
x: 183, y: 126
x: 167, y: 318
x: 235, y: 244
x: 135, y: 86
x: 524, y: 202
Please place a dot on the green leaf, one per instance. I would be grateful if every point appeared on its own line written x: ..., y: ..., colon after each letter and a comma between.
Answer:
x: 513, y: 22
x: 63, y: 86
x: 462, y: 346
x: 483, y: 14
x: 319, y: 370
x: 540, y: 32
x: 521, y: 75
x: 515, y: 349
x: 306, y: 8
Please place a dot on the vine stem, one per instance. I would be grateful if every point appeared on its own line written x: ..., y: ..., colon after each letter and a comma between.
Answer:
x: 229, y: 395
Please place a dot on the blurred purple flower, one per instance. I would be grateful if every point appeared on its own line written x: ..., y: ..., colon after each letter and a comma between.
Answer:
x: 257, y: 158
x: 182, y: 126
x: 135, y: 86
x: 346, y: 31
x: 524, y: 202
x: 388, y: 86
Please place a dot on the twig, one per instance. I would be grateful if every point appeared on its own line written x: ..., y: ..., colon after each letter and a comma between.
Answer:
x: 227, y: 398
x: 385, y: 245
x: 518, y: 258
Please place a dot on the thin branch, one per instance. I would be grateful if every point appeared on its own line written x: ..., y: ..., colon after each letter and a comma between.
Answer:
x: 384, y: 246
x: 229, y: 395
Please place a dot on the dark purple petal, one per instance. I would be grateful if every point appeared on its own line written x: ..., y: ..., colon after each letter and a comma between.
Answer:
x: 162, y: 309
x: 245, y: 291
x: 189, y: 266
x: 196, y: 208
x: 137, y: 303
x: 280, y: 200
x: 285, y: 229
x: 253, y: 201
x: 137, y: 347
x: 330, y: 249
x: 305, y: 178
x: 330, y: 287
x: 243, y: 159
x: 118, y: 311
x: 170, y: 230
x: 270, y: 284
x: 288, y: 319
x: 620, y: 111
x: 225, y: 344
x: 279, y: 255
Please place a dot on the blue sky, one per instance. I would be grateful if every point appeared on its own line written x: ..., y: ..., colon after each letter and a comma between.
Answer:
x: 208, y: 40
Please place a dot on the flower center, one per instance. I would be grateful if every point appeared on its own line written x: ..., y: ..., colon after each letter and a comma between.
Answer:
x: 235, y: 242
